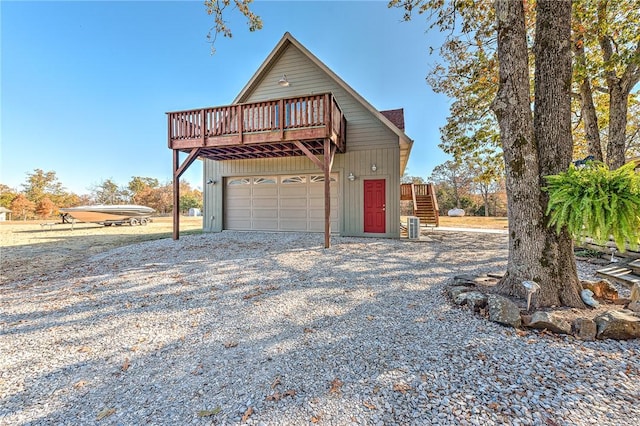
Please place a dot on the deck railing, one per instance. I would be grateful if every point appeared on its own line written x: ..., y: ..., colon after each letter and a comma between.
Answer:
x: 281, y: 115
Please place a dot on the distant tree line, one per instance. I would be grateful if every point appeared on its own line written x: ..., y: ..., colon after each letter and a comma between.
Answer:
x: 42, y: 194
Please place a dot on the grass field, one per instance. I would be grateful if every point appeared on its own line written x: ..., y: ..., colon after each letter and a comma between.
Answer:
x: 28, y: 249
x: 474, y: 222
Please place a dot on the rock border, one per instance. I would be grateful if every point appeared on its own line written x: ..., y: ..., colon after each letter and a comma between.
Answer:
x: 616, y: 321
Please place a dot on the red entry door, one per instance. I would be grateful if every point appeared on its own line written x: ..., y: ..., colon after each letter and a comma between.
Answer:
x: 374, y: 206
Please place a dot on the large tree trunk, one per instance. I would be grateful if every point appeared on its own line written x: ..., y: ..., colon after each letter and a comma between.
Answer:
x: 535, y: 252
x: 552, y: 132
x: 513, y: 111
x: 587, y: 108
x: 619, y: 88
x: 616, y: 146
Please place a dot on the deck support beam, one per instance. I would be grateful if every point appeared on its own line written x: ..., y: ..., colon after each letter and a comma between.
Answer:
x: 328, y: 162
x: 325, y: 166
x: 178, y: 170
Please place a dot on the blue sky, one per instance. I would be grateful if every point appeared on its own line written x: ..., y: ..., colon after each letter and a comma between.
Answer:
x: 85, y: 84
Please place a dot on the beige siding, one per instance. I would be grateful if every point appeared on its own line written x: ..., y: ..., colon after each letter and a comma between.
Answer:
x: 364, y: 130
x: 351, y: 193
x: 369, y: 142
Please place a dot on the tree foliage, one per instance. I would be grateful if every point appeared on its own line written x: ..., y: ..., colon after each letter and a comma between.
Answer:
x: 218, y: 9
x: 603, y: 82
x: 42, y: 184
x: 108, y: 192
x: 45, y: 208
x: 22, y: 207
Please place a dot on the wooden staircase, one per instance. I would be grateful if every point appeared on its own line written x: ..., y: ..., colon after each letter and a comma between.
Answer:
x: 425, y: 204
x: 624, y: 274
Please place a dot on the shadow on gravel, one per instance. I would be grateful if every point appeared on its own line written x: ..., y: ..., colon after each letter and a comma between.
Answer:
x: 268, y: 321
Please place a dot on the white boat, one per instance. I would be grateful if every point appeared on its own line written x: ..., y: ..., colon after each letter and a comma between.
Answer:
x: 109, y: 214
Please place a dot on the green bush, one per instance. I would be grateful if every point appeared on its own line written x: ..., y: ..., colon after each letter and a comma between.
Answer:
x: 597, y: 202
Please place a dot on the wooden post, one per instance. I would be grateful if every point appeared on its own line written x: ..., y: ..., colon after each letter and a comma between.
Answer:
x: 178, y: 170
x: 203, y: 126
x: 240, y: 115
x: 327, y: 116
x: 176, y: 195
x: 281, y: 118
x: 327, y: 193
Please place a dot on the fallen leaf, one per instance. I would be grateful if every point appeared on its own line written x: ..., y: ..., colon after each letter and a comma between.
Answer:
x: 316, y: 419
x: 493, y: 405
x: 247, y: 414
x: 105, y: 413
x: 126, y: 364
x: 376, y: 389
x: 550, y: 422
x: 228, y: 345
x: 369, y: 405
x: 336, y: 384
x: 84, y: 349
x: 80, y: 384
x: 209, y: 413
x: 251, y: 295
x: 412, y: 306
x: 481, y: 356
x: 401, y: 387
x: 309, y: 330
x: 370, y: 317
x: 276, y: 382
x: 278, y: 396
x: 521, y: 333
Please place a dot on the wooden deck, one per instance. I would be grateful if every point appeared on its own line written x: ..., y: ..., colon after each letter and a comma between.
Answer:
x: 312, y: 126
x: 267, y: 129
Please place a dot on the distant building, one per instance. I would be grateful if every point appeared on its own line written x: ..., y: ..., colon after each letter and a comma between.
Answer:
x: 194, y: 212
x: 3, y: 214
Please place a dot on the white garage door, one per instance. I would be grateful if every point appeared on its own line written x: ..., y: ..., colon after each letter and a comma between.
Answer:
x: 279, y: 203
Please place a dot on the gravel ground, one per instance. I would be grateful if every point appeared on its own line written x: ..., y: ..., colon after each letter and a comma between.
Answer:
x: 273, y: 329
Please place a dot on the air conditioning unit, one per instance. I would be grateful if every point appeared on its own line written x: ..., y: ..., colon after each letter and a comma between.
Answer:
x: 413, y: 227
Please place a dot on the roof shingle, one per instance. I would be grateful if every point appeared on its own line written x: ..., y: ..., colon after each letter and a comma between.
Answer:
x: 396, y: 116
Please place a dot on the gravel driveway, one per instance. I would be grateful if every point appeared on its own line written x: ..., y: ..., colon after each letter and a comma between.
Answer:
x: 273, y: 329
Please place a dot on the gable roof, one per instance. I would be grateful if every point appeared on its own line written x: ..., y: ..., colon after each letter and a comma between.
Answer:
x: 288, y: 40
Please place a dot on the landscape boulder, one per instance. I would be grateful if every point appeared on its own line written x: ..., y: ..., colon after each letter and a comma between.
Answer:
x: 619, y: 325
x: 456, y: 290
x: 550, y: 321
x: 465, y: 280
x: 602, y: 290
x: 503, y: 311
x: 473, y: 299
x: 635, y: 292
x: 585, y: 329
x: 634, y: 305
